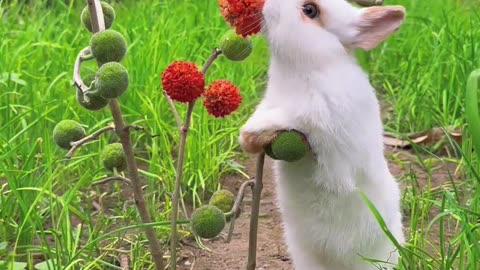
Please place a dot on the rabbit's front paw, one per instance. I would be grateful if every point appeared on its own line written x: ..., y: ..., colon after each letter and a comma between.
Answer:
x: 255, y: 142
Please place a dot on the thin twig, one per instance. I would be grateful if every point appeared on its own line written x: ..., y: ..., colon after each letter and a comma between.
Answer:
x: 179, y: 170
x: 113, y: 178
x: 98, y: 24
x: 257, y: 192
x: 232, y: 214
x: 174, y: 111
x: 84, y: 55
x: 134, y: 127
x: 368, y: 3
x: 93, y: 137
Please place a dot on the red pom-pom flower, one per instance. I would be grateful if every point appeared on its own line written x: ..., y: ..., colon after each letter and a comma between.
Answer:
x: 183, y: 82
x: 221, y: 98
x: 244, y: 15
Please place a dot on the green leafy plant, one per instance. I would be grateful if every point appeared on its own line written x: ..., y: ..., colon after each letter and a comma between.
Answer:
x: 472, y: 114
x: 108, y: 47
x: 182, y: 82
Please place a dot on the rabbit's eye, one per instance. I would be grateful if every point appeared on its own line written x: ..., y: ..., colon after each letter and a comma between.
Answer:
x: 310, y: 10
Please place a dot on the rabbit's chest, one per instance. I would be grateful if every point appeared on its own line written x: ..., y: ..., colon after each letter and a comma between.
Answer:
x: 329, y: 223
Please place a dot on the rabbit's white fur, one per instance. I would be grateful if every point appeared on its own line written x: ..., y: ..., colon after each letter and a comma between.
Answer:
x: 315, y: 86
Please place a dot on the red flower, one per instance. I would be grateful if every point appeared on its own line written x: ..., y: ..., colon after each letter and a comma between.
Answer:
x: 244, y: 15
x: 183, y: 82
x: 221, y: 98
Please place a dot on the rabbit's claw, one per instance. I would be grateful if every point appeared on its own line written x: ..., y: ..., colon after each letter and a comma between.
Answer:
x: 255, y: 142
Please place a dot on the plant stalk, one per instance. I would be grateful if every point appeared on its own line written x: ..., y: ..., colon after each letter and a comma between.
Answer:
x: 98, y: 24
x: 257, y: 192
x: 179, y: 168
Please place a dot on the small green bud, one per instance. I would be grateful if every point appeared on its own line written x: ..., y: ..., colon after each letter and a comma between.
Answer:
x: 66, y: 132
x: 113, y: 156
x: 235, y: 47
x: 288, y: 146
x: 223, y: 199
x: 108, y: 15
x: 88, y: 100
x: 111, y: 80
x: 108, y: 46
x: 207, y: 221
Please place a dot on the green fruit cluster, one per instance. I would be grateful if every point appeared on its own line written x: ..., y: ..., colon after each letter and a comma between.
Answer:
x: 235, y: 47
x: 207, y: 221
x: 108, y: 47
x: 113, y: 157
x: 287, y: 146
x: 66, y: 132
x: 223, y: 199
x: 108, y: 15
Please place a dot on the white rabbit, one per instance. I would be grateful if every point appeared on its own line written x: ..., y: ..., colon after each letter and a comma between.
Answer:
x: 316, y: 87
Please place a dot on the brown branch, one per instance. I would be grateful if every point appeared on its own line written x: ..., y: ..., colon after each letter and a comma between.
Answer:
x: 84, y: 55
x: 179, y: 170
x: 93, y: 137
x: 113, y: 178
x: 368, y: 3
x: 257, y: 192
x: 98, y: 24
x: 132, y: 167
x: 232, y: 214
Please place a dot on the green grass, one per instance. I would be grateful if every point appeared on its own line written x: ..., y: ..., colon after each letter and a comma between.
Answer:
x: 43, y: 191
x: 422, y: 71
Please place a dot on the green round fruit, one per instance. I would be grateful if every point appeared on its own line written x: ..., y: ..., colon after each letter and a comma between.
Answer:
x: 223, y: 199
x: 108, y: 15
x: 66, y: 132
x: 289, y: 146
x: 88, y: 100
x: 113, y: 156
x: 111, y: 80
x: 207, y: 221
x: 235, y: 47
x: 108, y: 46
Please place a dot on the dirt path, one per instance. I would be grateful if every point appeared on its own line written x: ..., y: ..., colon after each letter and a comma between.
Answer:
x: 272, y: 252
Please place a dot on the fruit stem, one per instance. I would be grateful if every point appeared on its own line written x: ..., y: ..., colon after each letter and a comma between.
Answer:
x: 98, y: 24
x: 83, y: 55
x: 179, y: 170
x: 113, y: 178
x: 257, y: 192
x: 94, y: 136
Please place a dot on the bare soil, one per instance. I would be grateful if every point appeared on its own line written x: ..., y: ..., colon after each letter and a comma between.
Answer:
x: 272, y: 253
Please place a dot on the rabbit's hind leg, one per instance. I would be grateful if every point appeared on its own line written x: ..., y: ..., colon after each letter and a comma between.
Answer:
x: 304, y: 260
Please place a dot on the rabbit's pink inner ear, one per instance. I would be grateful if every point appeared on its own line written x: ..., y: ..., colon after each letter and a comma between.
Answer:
x: 376, y: 24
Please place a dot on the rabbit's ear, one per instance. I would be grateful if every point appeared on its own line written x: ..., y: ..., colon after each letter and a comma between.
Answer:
x: 375, y: 24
